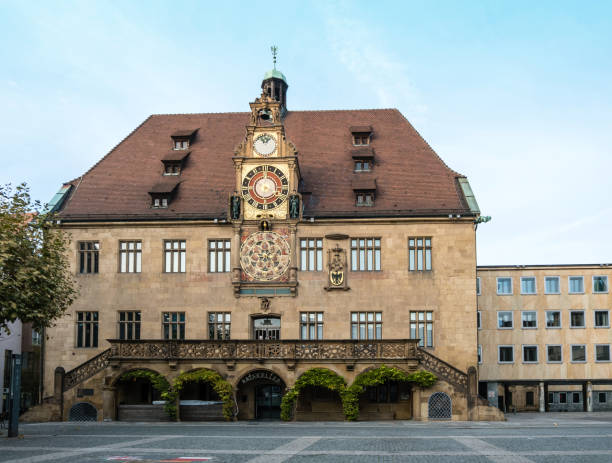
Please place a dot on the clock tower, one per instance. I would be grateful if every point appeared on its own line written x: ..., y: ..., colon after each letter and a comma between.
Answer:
x: 266, y: 205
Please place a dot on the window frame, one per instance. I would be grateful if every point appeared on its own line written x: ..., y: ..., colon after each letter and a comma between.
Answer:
x: 361, y: 138
x: 560, y: 346
x: 569, y: 284
x: 134, y: 326
x: 479, y: 319
x: 537, y: 351
x: 609, y: 353
x: 557, y: 278
x: 535, y: 285
x: 560, y: 319
x: 572, y: 311
x: 595, y: 325
x: 358, y: 249
x: 311, y: 320
x: 505, y: 346
x: 479, y: 354
x: 605, y: 277
x: 423, y: 252
x: 225, y: 324
x: 361, y: 163
x: 511, y: 286
x: 170, y: 323
x: 426, y: 322
x: 364, y: 198
x: 305, y: 254
x: 478, y: 287
x: 572, y: 353
x: 182, y: 253
x: 213, y: 255
x: 85, y: 261
x: 376, y: 322
x: 511, y: 312
x: 94, y: 329
x: 132, y: 256
x: 523, y: 312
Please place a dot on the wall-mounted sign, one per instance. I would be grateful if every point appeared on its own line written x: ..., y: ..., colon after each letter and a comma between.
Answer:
x: 261, y: 375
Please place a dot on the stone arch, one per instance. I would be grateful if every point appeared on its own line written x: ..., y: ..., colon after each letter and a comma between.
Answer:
x: 270, y: 369
x: 143, y: 386
x: 440, y: 406
x: 213, y: 379
x: 259, y: 393
x: 83, y: 411
x: 115, y: 379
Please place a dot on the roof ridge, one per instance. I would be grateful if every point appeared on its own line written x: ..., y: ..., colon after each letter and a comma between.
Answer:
x: 288, y: 112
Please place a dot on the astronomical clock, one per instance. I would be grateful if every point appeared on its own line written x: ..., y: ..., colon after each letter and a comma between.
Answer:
x: 266, y: 204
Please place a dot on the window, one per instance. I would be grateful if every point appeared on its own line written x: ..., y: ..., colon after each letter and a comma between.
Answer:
x: 383, y: 393
x: 479, y: 354
x: 529, y: 319
x: 578, y: 353
x: 600, y: 284
x: 173, y: 325
x: 577, y: 318
x: 562, y: 397
x: 419, y: 253
x: 602, y: 352
x: 361, y: 139
x: 311, y: 325
x: 528, y: 285
x: 530, y: 354
x: 478, y: 286
x: 181, y: 143
x: 504, y: 320
x: 219, y: 256
x: 554, y: 354
x: 129, y: 325
x: 478, y: 319
x: 529, y: 396
x: 365, y: 254
x: 36, y: 338
x: 130, y: 256
x: 602, y: 319
x: 553, y: 319
x: 505, y: 354
x: 172, y: 167
x: 576, y: 397
x: 366, y: 325
x: 602, y: 397
x: 87, y: 329
x: 363, y: 165
x: 311, y: 254
x: 551, y: 397
x: 504, y: 285
x: 160, y: 202
x: 174, y: 256
x: 551, y: 285
x: 219, y: 324
x: 576, y: 285
x: 365, y: 199
x: 421, y: 327
x: 88, y: 256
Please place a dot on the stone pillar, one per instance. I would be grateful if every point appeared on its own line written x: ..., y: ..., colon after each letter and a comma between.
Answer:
x: 416, y: 403
x: 542, y: 397
x: 109, y: 406
x: 472, y: 394
x: 589, y: 396
x: 235, y: 254
x: 293, y: 244
x: 58, y: 389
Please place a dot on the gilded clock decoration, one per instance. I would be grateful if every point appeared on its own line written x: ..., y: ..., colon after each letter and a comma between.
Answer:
x: 265, y: 144
x: 265, y: 187
x: 265, y: 256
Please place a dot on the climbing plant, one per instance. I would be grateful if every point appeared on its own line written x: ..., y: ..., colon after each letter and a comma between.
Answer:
x: 320, y: 377
x: 159, y: 383
x: 375, y: 377
x: 219, y: 385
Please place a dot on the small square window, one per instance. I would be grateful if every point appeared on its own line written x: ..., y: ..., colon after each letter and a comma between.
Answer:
x: 603, y: 397
x: 505, y: 354
x: 528, y: 285
x: 361, y: 139
x: 602, y: 319
x: 478, y: 286
x: 562, y: 397
x: 600, y: 284
x: 365, y: 199
x: 554, y: 354
x: 530, y: 319
x: 551, y: 397
x: 504, y: 286
x: 504, y: 320
x: 552, y: 285
x: 363, y: 165
x: 602, y: 352
x: 530, y: 354
x: 577, y: 318
x: 181, y: 143
x: 576, y: 285
x: 578, y: 353
x: 576, y: 397
x: 553, y: 319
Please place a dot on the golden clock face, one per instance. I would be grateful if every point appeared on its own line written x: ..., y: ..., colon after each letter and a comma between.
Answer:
x: 264, y: 144
x: 265, y: 187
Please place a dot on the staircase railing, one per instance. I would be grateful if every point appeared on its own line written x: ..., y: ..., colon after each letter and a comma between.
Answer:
x: 87, y: 369
x: 442, y: 369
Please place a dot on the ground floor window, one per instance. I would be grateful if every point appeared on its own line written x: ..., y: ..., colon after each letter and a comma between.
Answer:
x: 529, y: 398
x: 383, y: 393
x: 603, y: 398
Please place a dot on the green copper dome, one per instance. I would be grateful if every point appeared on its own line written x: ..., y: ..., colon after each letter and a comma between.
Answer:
x: 276, y: 74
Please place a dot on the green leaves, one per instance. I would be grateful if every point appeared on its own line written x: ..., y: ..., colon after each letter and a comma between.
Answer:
x: 36, y: 285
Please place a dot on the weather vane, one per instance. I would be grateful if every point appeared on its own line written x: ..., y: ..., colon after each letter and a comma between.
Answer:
x: 274, y: 49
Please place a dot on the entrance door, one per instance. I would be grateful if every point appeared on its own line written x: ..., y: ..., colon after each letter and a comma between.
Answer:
x: 267, y: 401
x: 267, y: 328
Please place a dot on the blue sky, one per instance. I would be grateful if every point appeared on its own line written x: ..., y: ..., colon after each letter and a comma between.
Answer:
x: 515, y: 95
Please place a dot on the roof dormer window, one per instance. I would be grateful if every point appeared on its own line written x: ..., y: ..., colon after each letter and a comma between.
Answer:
x: 163, y: 193
x: 363, y: 165
x: 361, y: 134
x: 172, y: 168
x: 181, y: 144
x: 181, y: 139
x: 365, y: 199
x: 174, y: 162
x: 160, y: 202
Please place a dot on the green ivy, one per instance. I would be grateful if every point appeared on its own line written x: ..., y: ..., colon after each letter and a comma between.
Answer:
x: 159, y: 383
x: 320, y: 377
x: 219, y: 385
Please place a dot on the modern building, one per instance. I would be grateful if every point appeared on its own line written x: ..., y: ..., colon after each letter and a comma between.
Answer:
x: 261, y: 245
x: 544, y: 337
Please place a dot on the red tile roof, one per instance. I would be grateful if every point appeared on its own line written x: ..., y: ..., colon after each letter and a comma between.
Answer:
x: 411, y: 179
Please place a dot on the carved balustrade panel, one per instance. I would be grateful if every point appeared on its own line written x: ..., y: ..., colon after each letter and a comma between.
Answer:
x: 442, y: 369
x: 394, y: 350
x: 365, y: 351
x: 87, y: 370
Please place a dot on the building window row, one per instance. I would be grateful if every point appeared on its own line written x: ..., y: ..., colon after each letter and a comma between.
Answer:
x: 553, y: 319
x: 554, y: 353
x: 599, y: 285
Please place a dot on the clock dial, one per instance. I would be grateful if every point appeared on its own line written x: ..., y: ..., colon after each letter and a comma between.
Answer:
x: 265, y: 144
x: 265, y: 256
x: 265, y: 187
